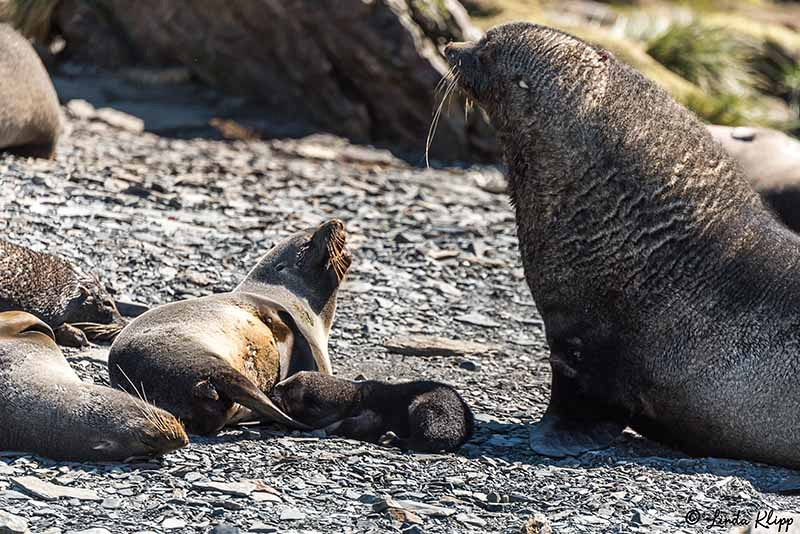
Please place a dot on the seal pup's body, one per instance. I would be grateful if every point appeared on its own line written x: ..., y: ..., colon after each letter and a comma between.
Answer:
x: 72, y: 302
x: 771, y: 162
x: 46, y: 409
x: 211, y: 360
x: 421, y: 416
x: 30, y: 117
x: 670, y: 295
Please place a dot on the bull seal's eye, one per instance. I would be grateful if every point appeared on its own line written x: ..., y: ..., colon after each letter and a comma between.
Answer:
x: 280, y: 267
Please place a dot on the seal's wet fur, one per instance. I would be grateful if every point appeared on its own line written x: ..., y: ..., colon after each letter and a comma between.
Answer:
x: 46, y: 409
x: 211, y: 360
x: 669, y: 293
x: 420, y: 416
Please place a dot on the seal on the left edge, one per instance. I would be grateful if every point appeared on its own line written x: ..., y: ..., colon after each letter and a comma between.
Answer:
x: 46, y: 409
x: 30, y: 117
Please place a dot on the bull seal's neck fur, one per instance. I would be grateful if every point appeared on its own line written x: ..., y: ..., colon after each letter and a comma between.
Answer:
x: 657, y: 270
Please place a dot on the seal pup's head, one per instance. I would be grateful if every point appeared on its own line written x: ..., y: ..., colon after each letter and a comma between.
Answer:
x: 311, y: 264
x: 316, y: 399
x: 522, y: 74
x: 93, y: 310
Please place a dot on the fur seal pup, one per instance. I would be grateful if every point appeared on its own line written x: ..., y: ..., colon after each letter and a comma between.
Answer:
x: 30, y: 117
x: 72, y: 302
x: 211, y: 360
x: 421, y: 416
x: 771, y: 161
x: 46, y: 409
x: 670, y: 295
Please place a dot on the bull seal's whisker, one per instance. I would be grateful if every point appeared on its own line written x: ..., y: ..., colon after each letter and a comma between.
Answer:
x: 435, y: 122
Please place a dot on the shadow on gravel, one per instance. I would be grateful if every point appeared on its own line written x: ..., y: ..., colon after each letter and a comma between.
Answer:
x: 509, y: 442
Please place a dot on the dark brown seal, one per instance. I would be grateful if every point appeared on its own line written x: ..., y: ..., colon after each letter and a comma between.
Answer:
x: 212, y: 360
x: 668, y: 291
x: 771, y: 162
x: 30, y: 117
x: 72, y: 302
x: 46, y: 409
x: 421, y: 416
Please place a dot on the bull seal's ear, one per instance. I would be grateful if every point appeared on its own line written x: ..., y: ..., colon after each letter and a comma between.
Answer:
x: 205, y: 390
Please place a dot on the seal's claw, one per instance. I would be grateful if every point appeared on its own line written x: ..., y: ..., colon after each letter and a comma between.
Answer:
x: 559, y: 437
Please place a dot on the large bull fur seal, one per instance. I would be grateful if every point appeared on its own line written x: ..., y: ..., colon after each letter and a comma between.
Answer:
x: 46, y: 409
x: 211, y: 360
x: 670, y: 295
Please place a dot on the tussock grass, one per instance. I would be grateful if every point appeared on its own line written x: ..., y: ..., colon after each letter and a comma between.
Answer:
x: 711, y: 57
x: 30, y: 17
x: 778, y: 73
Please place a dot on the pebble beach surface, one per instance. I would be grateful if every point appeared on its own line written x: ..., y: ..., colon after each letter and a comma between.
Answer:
x: 436, y: 291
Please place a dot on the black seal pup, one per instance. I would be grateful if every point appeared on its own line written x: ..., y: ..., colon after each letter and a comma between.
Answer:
x: 46, y: 409
x: 30, y: 117
x: 211, y: 360
x: 670, y: 294
x: 420, y: 416
x: 72, y: 302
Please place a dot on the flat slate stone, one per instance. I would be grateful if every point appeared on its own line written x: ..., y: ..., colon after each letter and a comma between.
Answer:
x: 51, y: 492
x: 433, y: 346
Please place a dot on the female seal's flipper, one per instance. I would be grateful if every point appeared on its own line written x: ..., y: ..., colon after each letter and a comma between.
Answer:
x: 557, y: 436
x: 234, y: 385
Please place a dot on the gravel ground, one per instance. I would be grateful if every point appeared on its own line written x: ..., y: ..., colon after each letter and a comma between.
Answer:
x: 435, y: 253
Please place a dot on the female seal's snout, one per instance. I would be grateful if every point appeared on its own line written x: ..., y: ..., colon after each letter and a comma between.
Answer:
x: 331, y: 237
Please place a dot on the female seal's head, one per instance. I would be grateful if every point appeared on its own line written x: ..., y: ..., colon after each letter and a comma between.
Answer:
x: 311, y: 264
x: 521, y: 73
x: 119, y: 427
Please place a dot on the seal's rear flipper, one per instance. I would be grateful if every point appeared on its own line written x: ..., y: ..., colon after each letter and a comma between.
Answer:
x: 238, y: 388
x: 557, y: 436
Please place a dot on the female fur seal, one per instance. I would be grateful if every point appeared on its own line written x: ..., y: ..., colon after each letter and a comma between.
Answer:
x: 420, y: 416
x: 30, y: 118
x: 72, y: 302
x: 46, y: 409
x: 210, y: 361
x: 670, y: 295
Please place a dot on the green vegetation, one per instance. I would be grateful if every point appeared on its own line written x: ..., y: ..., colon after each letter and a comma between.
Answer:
x: 31, y: 17
x: 711, y: 57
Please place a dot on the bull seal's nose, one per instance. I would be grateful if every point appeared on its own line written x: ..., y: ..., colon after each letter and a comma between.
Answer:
x: 459, y: 53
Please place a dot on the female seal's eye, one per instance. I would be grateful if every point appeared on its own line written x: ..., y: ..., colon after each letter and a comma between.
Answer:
x: 280, y: 267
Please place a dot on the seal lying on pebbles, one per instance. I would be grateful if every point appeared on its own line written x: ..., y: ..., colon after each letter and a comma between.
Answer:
x: 668, y: 291
x: 211, y: 360
x: 46, y: 409
x: 30, y: 117
x: 73, y: 303
x: 421, y: 416
x: 771, y: 161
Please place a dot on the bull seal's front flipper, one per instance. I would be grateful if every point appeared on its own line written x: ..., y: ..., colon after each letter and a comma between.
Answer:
x: 573, y: 424
x: 557, y: 436
x: 238, y: 388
